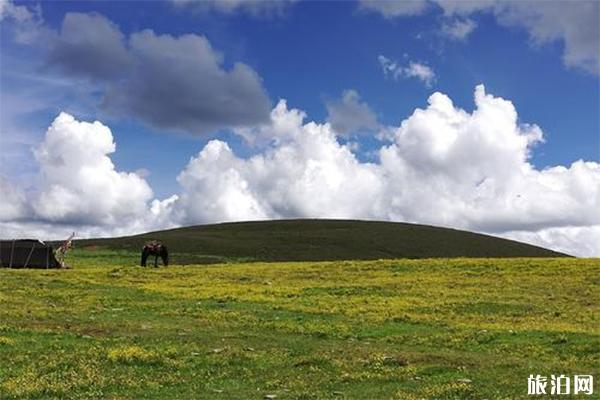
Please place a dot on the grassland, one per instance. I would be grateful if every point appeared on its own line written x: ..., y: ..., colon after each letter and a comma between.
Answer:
x: 320, y: 240
x: 393, y: 329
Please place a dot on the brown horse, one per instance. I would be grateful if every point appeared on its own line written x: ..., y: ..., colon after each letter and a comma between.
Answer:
x: 156, y: 249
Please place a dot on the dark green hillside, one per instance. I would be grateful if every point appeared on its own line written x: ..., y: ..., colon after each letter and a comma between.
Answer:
x: 312, y: 240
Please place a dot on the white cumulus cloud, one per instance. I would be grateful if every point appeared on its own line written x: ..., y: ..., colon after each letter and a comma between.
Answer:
x: 80, y: 183
x: 78, y: 187
x: 306, y: 174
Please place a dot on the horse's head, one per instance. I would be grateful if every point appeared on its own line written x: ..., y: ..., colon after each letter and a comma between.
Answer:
x: 154, y: 246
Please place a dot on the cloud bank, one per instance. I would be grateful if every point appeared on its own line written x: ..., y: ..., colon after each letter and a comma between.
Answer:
x: 445, y: 166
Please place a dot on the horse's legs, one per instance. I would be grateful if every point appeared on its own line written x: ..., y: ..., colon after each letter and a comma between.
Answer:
x: 156, y: 261
x: 144, y: 257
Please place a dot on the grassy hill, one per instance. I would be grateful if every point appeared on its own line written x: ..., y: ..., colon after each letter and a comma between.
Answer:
x: 320, y: 240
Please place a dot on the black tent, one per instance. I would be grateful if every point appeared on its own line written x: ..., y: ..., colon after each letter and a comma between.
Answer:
x: 27, y: 253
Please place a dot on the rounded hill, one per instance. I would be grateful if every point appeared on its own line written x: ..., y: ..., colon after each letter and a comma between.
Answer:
x: 320, y: 240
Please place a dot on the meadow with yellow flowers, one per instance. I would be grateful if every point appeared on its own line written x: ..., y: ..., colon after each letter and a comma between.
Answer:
x: 387, y: 329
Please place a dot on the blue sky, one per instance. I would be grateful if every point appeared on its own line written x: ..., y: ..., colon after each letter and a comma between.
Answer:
x: 318, y: 49
x: 309, y: 53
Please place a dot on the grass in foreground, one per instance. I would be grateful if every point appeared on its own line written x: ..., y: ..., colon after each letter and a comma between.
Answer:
x: 394, y: 329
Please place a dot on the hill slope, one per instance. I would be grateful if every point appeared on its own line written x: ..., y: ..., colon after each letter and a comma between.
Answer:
x: 315, y: 240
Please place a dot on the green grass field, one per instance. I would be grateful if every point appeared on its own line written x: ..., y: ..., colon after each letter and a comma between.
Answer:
x: 393, y: 329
